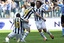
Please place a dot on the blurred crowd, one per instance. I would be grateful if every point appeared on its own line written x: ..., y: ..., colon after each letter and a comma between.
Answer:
x: 8, y: 8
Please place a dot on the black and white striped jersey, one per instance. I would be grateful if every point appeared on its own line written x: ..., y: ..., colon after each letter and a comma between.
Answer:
x: 40, y: 12
x: 18, y: 25
x: 28, y: 12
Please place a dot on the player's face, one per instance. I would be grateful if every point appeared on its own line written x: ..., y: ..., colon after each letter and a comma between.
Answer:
x: 37, y: 4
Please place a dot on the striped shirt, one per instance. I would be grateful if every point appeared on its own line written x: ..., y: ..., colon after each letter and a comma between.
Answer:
x: 28, y: 13
x: 18, y: 25
x: 40, y: 12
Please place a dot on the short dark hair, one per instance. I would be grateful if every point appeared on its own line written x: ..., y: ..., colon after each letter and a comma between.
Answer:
x: 39, y: 2
x: 18, y: 15
x: 54, y: 0
x: 32, y: 4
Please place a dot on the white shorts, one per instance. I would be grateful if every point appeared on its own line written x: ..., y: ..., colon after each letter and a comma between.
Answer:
x: 13, y: 34
x: 40, y: 24
x: 26, y: 25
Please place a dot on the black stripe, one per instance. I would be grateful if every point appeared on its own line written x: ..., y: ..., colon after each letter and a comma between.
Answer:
x: 15, y: 25
x: 42, y: 13
x: 28, y: 14
x: 18, y: 30
x: 15, y: 30
x: 21, y: 27
x: 18, y: 26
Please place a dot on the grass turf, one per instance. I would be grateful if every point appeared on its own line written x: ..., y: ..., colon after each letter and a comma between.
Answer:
x: 34, y: 37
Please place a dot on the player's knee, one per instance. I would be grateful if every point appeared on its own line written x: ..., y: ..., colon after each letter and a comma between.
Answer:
x: 28, y: 30
x: 8, y: 37
x: 44, y: 30
x: 39, y: 30
x: 23, y: 29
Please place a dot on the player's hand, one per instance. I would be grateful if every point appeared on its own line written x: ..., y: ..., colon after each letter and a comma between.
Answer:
x: 26, y: 20
x: 44, y: 20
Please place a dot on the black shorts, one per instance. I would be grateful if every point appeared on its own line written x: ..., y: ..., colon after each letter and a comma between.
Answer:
x: 62, y: 19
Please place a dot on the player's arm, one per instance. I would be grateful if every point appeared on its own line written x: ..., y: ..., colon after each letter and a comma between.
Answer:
x: 26, y: 20
x: 49, y: 9
x: 12, y: 23
x: 60, y: 5
x: 36, y: 13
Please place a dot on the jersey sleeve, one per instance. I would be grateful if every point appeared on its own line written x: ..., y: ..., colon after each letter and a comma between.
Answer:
x: 33, y: 10
x: 60, y: 5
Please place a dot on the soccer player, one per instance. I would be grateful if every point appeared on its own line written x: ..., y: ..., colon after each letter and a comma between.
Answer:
x: 17, y: 28
x: 40, y: 23
x: 27, y: 15
x: 62, y: 17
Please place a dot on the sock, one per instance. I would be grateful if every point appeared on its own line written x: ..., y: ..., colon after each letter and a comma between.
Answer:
x: 25, y: 35
x: 42, y: 34
x: 7, y: 39
x: 21, y: 36
x: 48, y: 32
x: 63, y: 31
x: 17, y: 37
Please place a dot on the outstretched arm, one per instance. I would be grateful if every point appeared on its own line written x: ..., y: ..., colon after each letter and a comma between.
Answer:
x: 26, y: 20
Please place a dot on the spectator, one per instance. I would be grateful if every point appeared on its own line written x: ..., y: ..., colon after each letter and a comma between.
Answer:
x: 3, y: 7
x: 8, y: 9
x: 59, y: 9
x: 13, y: 7
x: 46, y: 7
x: 51, y: 6
x: 0, y: 10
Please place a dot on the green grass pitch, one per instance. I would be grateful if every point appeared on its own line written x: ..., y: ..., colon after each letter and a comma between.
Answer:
x: 34, y: 37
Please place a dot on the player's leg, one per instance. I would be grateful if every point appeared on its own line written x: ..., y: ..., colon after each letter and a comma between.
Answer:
x: 19, y: 36
x: 12, y: 34
x: 62, y: 24
x: 40, y: 30
x: 27, y: 27
x: 45, y: 30
x: 48, y: 32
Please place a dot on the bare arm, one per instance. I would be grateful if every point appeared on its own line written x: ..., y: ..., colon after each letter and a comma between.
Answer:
x: 26, y: 20
x: 55, y: 3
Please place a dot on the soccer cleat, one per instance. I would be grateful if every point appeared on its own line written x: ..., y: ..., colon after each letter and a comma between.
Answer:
x: 45, y: 39
x: 23, y: 41
x: 7, y: 40
x: 52, y: 36
x: 18, y: 40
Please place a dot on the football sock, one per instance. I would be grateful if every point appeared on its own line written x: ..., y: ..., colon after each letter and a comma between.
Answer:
x: 42, y: 34
x: 48, y: 32
x: 25, y: 35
